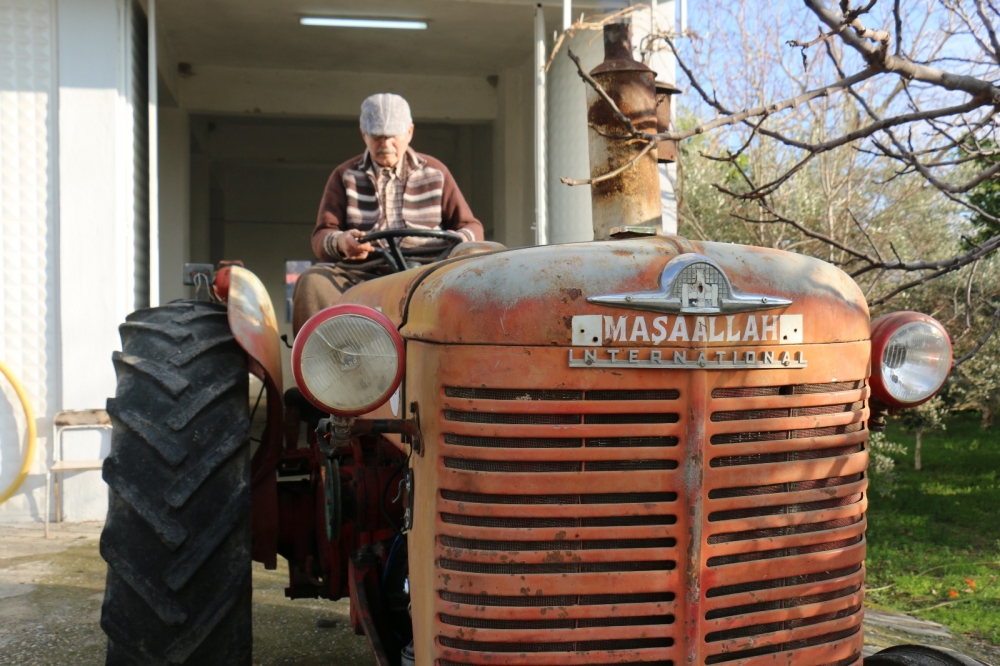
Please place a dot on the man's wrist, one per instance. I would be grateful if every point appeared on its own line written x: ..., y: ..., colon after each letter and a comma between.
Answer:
x: 330, y: 245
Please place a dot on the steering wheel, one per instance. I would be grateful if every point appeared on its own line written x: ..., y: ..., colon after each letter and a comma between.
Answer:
x: 395, y: 255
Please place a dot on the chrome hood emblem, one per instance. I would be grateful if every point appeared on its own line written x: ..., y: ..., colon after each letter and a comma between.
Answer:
x: 693, y: 284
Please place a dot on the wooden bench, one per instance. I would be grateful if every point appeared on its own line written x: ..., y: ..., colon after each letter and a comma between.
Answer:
x: 83, y: 419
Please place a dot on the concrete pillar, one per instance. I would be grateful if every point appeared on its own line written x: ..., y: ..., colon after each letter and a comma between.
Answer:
x: 570, y: 218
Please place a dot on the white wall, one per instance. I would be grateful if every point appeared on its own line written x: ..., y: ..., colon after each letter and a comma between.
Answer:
x: 95, y: 222
x: 66, y: 191
x: 29, y: 318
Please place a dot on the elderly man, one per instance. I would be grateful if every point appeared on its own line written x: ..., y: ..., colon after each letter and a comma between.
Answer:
x: 389, y: 186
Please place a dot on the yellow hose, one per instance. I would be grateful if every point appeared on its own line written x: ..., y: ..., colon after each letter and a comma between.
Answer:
x: 29, y: 452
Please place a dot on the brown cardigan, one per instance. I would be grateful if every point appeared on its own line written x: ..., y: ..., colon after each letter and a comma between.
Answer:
x: 431, y: 200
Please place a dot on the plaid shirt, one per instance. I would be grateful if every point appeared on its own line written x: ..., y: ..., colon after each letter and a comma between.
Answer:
x: 390, y: 183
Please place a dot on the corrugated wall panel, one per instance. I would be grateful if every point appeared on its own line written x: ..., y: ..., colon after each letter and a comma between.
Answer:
x: 28, y: 261
x: 139, y: 44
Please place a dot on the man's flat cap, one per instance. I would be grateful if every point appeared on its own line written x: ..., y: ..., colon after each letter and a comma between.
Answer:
x: 385, y: 114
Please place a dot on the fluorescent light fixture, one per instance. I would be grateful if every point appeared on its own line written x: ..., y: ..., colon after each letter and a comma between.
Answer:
x: 329, y: 22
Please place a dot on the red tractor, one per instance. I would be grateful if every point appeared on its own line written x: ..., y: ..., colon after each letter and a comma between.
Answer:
x: 641, y: 449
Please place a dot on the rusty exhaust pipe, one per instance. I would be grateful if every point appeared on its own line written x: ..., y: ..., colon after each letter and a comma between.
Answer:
x: 632, y: 198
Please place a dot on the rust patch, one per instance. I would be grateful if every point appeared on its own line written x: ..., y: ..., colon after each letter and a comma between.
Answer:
x: 560, y: 535
x: 572, y: 293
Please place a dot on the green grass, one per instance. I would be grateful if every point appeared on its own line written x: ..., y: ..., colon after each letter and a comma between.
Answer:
x: 936, y: 540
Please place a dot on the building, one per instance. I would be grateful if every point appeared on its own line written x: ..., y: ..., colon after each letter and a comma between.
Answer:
x: 137, y: 136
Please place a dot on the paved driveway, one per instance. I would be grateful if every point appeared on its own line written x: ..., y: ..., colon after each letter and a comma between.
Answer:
x: 50, y: 606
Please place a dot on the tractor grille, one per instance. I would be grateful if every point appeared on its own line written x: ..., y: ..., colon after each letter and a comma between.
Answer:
x: 793, y: 516
x: 564, y: 523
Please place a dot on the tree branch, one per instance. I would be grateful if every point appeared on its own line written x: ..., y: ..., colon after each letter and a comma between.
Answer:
x: 982, y: 341
x: 611, y: 174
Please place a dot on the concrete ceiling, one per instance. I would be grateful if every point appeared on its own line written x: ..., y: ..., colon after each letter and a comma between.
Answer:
x: 465, y: 37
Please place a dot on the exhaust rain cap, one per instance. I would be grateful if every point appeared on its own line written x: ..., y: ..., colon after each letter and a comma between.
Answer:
x: 385, y: 114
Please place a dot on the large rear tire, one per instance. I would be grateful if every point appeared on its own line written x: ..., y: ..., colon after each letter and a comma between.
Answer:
x: 178, y: 531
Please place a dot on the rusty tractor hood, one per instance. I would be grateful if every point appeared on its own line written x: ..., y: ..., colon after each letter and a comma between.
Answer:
x: 534, y: 297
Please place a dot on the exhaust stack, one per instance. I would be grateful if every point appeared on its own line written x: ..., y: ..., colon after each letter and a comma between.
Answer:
x: 632, y: 198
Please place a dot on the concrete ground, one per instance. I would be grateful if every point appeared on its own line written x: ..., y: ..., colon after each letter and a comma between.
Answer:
x: 51, y: 592
x: 50, y: 606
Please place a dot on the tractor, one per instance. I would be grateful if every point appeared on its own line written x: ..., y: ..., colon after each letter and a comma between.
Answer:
x: 641, y: 449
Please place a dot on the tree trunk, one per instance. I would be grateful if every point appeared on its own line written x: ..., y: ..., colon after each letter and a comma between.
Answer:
x: 987, y: 422
x: 916, y: 451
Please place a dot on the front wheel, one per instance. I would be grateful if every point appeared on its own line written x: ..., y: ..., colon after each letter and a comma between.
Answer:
x: 920, y: 655
x: 177, y: 537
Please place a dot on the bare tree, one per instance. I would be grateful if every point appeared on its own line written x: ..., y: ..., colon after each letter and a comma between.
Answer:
x: 902, y: 90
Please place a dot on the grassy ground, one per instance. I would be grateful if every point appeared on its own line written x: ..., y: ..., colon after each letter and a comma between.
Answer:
x: 934, y: 545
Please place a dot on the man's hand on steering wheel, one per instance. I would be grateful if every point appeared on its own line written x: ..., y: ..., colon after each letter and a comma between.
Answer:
x: 350, y: 248
x: 395, y: 256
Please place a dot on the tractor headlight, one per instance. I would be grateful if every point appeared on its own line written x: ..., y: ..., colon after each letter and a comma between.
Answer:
x: 911, y: 358
x: 348, y: 359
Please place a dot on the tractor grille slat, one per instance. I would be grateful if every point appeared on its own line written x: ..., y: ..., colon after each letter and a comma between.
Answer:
x: 565, y: 545
x: 751, y: 414
x: 632, y: 394
x: 793, y: 389
x: 785, y: 647
x: 578, y: 646
x: 774, y: 583
x: 560, y: 568
x: 772, y: 532
x: 513, y: 442
x: 513, y: 419
x: 630, y: 442
x: 764, y: 606
x: 536, y: 467
x: 536, y: 600
x: 528, y: 523
x: 768, y: 458
x: 583, y: 623
x: 613, y: 419
x: 668, y: 662
x: 753, y: 512
x: 558, y: 419
x: 597, y: 498
x: 560, y: 395
x: 794, y: 487
x: 511, y: 394
x: 774, y: 435
x: 557, y: 442
x: 781, y: 552
x: 771, y: 627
